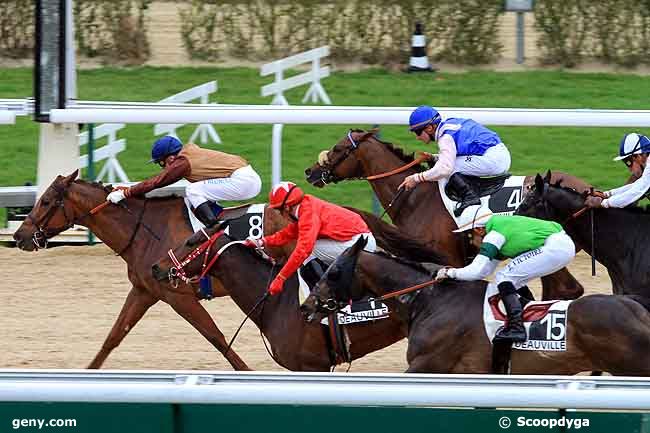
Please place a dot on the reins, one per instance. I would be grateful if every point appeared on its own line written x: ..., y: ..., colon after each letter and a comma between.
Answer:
x: 420, y: 159
x: 407, y: 290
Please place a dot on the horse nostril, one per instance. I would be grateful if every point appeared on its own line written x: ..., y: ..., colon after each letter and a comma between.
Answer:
x: 308, y: 172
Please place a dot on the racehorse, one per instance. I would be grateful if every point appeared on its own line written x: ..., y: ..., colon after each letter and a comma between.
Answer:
x: 620, y: 235
x: 295, y: 344
x: 445, y: 321
x: 140, y: 232
x: 420, y: 213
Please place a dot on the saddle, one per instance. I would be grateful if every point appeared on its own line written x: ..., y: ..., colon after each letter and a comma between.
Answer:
x: 480, y: 185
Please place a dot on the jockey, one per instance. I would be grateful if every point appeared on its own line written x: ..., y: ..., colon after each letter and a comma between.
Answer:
x: 213, y: 176
x: 634, y: 150
x: 322, y: 229
x: 465, y: 147
x: 537, y: 248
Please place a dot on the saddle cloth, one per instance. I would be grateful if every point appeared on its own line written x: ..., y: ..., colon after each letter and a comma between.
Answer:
x: 545, y: 321
x: 504, y: 202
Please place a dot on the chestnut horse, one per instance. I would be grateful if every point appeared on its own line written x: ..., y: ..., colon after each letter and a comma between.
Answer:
x: 419, y: 213
x: 141, y: 232
x: 295, y: 344
x: 445, y: 321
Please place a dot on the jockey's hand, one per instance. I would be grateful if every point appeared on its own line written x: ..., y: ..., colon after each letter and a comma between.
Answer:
x: 254, y: 243
x: 593, y: 202
x: 409, y: 183
x: 430, y: 156
x: 443, y: 273
x: 116, y: 196
x: 277, y: 285
x: 600, y: 194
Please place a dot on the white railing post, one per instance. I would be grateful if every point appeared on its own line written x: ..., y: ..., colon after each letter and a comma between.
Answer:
x: 277, y: 88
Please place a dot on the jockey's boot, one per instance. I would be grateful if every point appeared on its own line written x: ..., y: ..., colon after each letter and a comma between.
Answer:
x: 469, y: 197
x: 525, y: 292
x: 205, y: 214
x: 514, y: 329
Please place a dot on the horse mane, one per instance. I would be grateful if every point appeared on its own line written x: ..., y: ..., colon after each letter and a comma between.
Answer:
x: 397, y: 151
x: 416, y: 266
x: 630, y: 209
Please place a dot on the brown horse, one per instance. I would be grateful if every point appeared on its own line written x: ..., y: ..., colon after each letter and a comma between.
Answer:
x: 141, y: 232
x: 445, y: 321
x: 419, y: 213
x: 295, y: 344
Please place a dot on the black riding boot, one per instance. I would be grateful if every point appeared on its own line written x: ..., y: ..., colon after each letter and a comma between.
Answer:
x: 525, y: 292
x: 205, y: 214
x: 469, y: 197
x: 514, y: 329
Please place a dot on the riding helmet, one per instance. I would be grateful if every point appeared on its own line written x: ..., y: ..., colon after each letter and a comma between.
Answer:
x: 423, y: 116
x: 165, y: 146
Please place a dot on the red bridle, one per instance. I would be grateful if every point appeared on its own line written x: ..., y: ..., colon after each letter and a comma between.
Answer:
x: 178, y: 272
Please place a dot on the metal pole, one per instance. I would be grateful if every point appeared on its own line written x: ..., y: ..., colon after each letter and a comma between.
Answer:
x: 91, y: 168
x: 520, y: 37
x: 376, y: 206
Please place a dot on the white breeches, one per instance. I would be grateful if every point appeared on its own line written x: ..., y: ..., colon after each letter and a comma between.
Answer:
x: 243, y: 184
x: 556, y: 253
x: 495, y: 160
x: 328, y: 249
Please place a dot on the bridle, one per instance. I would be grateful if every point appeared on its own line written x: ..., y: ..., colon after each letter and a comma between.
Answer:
x: 41, y: 236
x: 328, y: 175
x: 178, y: 272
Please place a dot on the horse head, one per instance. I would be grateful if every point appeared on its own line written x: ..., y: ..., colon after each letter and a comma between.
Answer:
x: 186, y: 261
x: 341, y: 162
x: 551, y: 201
x: 51, y: 215
x: 336, y: 287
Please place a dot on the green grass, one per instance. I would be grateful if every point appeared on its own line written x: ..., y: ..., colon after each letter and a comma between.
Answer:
x: 585, y: 152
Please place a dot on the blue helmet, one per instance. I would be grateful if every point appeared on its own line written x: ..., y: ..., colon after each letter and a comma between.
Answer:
x: 633, y: 144
x: 165, y: 146
x: 423, y: 116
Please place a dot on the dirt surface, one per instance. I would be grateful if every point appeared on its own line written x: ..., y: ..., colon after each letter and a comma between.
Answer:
x: 59, y: 304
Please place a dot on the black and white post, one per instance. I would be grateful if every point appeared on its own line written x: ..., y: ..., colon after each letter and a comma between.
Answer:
x: 419, y: 61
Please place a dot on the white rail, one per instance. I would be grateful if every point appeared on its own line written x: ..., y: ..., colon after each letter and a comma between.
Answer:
x: 347, y: 115
x: 7, y: 117
x: 328, y: 389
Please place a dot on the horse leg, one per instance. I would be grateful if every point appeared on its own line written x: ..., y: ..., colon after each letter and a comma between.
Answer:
x: 136, y: 304
x: 561, y: 285
x: 188, y: 307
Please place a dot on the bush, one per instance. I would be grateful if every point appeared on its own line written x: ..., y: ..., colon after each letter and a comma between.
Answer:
x: 370, y: 31
x: 17, y: 28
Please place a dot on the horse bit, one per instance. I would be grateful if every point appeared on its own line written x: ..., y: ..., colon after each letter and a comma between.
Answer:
x: 40, y: 236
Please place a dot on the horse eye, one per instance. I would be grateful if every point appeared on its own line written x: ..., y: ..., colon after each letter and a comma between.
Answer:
x: 45, y: 203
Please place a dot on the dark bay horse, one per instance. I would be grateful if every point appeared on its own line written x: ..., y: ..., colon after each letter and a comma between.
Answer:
x: 445, y: 321
x: 141, y: 233
x: 419, y: 213
x: 296, y: 345
x: 621, y: 236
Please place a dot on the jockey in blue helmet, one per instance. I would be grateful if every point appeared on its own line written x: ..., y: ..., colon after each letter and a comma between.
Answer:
x: 465, y: 148
x: 214, y: 176
x: 633, y: 151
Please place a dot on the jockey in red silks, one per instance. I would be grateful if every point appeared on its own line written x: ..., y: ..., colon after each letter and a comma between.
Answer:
x: 323, y: 230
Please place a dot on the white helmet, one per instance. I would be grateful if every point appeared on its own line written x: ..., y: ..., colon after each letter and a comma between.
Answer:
x: 633, y: 144
x: 471, y: 219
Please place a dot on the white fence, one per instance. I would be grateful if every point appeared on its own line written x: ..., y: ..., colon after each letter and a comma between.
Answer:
x: 315, y: 93
x: 348, y: 115
x: 204, y: 131
x: 7, y: 117
x: 112, y: 171
x: 340, y: 389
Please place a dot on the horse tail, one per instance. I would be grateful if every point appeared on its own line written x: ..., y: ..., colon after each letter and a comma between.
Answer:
x: 391, y: 239
x: 644, y: 301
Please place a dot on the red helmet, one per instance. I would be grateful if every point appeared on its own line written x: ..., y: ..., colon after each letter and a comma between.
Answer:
x: 285, y: 194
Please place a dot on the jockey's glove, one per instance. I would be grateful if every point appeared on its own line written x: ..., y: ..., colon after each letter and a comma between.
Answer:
x: 116, y: 196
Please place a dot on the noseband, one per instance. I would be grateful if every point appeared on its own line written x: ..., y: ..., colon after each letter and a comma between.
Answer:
x: 328, y: 176
x: 40, y: 236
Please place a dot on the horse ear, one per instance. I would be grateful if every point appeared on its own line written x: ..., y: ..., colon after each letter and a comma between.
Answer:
x: 547, y: 178
x: 359, y: 245
x: 539, y: 183
x: 69, y: 179
x: 375, y: 131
